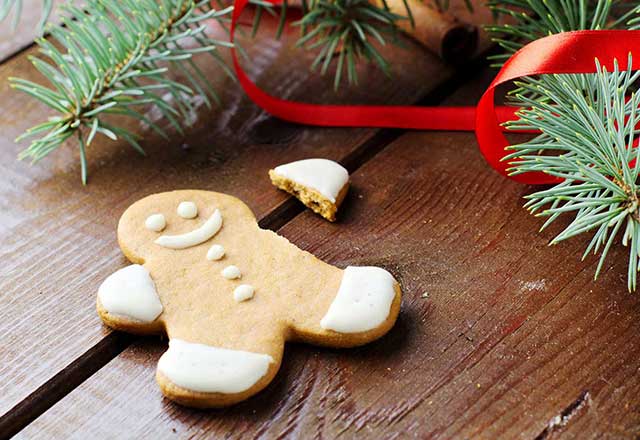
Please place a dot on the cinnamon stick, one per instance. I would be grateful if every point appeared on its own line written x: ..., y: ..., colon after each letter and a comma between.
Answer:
x: 442, y: 33
x: 451, y: 39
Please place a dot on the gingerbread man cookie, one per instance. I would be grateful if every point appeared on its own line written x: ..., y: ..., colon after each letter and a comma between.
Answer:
x: 229, y: 294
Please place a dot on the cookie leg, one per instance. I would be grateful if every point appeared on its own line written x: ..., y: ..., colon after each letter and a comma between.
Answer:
x: 204, y: 376
x: 127, y: 300
x: 364, y: 308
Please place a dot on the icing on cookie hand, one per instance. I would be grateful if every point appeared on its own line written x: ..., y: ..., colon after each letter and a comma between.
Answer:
x: 195, y: 237
x: 131, y: 292
x: 207, y: 369
x: 363, y: 300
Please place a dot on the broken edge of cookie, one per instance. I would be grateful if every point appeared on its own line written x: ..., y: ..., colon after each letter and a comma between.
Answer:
x: 320, y: 184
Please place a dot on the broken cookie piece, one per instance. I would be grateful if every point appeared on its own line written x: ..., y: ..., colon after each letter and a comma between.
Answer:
x: 320, y: 184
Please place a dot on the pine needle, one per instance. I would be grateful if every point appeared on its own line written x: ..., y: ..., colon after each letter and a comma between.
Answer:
x: 338, y: 27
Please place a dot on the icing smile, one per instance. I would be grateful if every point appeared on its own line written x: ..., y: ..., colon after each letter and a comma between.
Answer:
x: 195, y: 237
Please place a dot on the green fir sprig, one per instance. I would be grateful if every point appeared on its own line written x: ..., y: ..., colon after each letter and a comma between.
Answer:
x: 112, y: 58
x: 587, y: 126
x: 529, y: 20
x: 344, y: 30
x: 588, y: 137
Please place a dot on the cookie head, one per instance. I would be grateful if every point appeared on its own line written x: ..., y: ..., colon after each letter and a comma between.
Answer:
x: 177, y: 220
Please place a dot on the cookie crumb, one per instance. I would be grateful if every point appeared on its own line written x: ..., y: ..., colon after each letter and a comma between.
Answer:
x: 320, y: 184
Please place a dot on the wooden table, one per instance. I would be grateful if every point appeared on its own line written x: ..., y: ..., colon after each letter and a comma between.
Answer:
x: 499, y: 336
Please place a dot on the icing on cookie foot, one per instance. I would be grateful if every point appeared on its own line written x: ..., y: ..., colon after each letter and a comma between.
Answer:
x: 131, y: 292
x: 320, y: 184
x: 199, y: 367
x: 195, y: 237
x: 363, y: 301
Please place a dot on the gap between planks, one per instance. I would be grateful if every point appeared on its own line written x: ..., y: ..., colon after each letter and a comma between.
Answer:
x: 83, y: 367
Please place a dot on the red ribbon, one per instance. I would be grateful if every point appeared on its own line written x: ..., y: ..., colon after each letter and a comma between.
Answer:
x: 570, y: 52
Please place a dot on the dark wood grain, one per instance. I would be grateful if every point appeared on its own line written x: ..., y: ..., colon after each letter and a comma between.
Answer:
x: 500, y: 336
x: 57, y: 237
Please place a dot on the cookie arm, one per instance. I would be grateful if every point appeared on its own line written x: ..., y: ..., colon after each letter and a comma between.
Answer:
x: 364, y: 307
x: 127, y: 300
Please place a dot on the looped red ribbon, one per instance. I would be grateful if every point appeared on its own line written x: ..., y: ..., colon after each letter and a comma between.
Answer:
x: 570, y: 52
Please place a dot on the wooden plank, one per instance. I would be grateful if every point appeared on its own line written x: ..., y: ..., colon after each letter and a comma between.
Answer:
x: 58, y: 237
x: 13, y: 40
x: 500, y: 336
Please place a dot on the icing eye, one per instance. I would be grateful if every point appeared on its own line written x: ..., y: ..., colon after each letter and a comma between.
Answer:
x: 187, y: 210
x: 155, y: 222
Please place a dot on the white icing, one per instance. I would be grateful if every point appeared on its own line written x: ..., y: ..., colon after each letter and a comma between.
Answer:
x: 207, y: 369
x: 187, y: 210
x: 131, y: 292
x: 215, y: 252
x: 363, y: 301
x: 325, y: 176
x: 231, y: 272
x: 155, y: 222
x: 243, y: 292
x: 195, y: 237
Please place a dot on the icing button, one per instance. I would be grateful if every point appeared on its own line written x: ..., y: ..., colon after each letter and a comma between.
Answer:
x: 243, y: 292
x: 216, y: 252
x: 231, y: 272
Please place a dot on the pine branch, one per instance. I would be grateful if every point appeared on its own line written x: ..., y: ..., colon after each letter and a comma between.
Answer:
x: 344, y: 30
x: 352, y: 27
x: 529, y: 20
x: 588, y: 137
x: 586, y: 123
x: 112, y: 58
